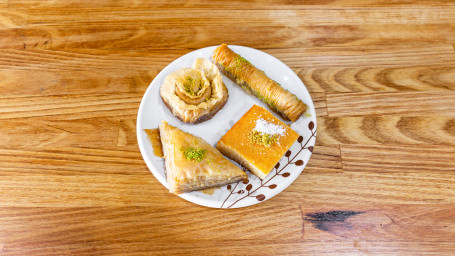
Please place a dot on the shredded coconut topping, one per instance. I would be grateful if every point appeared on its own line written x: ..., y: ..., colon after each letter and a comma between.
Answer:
x: 269, y: 128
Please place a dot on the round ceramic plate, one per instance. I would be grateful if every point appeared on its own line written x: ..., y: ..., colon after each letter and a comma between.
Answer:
x: 152, y: 111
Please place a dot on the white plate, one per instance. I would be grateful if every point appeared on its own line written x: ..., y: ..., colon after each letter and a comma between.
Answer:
x: 152, y: 111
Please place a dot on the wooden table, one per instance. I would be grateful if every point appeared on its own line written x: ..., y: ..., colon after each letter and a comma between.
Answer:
x: 381, y: 179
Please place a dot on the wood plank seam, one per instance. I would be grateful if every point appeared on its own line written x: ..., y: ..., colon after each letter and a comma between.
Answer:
x: 327, y: 107
x: 119, y: 127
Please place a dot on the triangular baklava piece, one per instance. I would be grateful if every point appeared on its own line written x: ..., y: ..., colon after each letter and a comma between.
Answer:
x: 193, y: 164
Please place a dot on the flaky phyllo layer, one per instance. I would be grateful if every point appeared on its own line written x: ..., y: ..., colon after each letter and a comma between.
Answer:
x: 193, y: 164
x: 194, y: 94
x: 257, y: 83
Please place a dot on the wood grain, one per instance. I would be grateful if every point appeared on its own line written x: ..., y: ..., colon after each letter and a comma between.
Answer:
x: 387, y: 130
x: 141, y: 189
x: 48, y: 83
x: 181, y: 16
x: 380, y: 181
x: 351, y: 56
x: 42, y: 132
x: 70, y: 107
x: 123, y: 230
x: 12, y: 18
x: 417, y: 78
x: 379, y: 158
x: 70, y: 161
x: 139, y: 28
x: 384, y: 223
x: 325, y: 159
x: 143, y: 34
x: 363, y: 187
x: 269, y: 4
x: 87, y: 61
x: 242, y: 247
x: 441, y: 55
x: 320, y: 105
x: 391, y: 103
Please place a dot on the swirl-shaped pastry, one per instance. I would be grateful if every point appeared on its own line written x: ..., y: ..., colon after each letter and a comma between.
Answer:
x: 195, y: 94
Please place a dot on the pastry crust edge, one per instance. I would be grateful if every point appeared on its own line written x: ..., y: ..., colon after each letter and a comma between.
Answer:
x: 217, y: 107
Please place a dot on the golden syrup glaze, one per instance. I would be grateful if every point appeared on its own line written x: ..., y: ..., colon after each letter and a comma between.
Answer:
x: 154, y: 137
x: 209, y: 191
x: 263, y: 157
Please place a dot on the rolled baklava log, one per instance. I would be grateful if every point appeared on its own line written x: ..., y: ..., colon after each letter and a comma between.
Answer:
x: 256, y: 82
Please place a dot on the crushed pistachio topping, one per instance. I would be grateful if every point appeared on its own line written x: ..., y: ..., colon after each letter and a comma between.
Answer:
x: 266, y: 133
x: 239, y: 61
x: 267, y: 101
x: 196, y: 154
x: 192, y: 86
x: 261, y: 138
x: 237, y: 65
